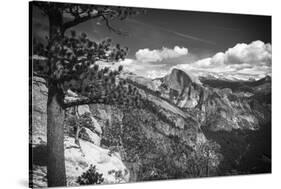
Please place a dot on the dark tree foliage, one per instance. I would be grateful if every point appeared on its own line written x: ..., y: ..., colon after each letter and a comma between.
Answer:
x: 184, y: 162
x: 63, y: 16
x: 91, y: 176
x: 72, y: 62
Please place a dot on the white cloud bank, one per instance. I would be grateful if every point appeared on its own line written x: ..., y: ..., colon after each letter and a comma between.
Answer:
x: 243, y: 61
x: 257, y: 53
x: 156, y: 55
x: 145, y: 69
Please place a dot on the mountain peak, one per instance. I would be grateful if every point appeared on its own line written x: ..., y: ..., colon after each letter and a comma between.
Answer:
x: 267, y: 78
x: 178, y: 79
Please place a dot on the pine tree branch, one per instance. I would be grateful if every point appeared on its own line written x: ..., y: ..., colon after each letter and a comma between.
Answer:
x: 84, y: 100
x: 111, y: 28
x: 79, y: 20
x: 36, y: 74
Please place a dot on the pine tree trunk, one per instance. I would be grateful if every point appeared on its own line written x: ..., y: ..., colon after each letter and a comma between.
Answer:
x: 55, y: 117
x: 55, y: 139
x: 55, y: 24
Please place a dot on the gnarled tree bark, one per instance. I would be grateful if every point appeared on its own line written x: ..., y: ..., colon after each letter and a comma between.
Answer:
x: 55, y: 138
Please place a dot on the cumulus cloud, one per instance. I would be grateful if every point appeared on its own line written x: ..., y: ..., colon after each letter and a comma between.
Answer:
x: 252, y: 60
x: 145, y: 62
x: 156, y: 55
x: 145, y: 69
x: 256, y: 52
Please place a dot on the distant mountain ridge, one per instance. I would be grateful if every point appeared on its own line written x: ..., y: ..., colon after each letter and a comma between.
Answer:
x: 228, y: 96
x: 231, y: 77
x: 236, y: 85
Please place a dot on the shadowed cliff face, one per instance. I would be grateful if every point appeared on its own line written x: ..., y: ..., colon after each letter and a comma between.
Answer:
x: 177, y: 80
x: 179, y: 88
x: 246, y: 146
x: 159, y: 141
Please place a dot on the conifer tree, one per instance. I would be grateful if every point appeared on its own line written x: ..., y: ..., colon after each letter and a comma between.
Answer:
x: 71, y: 63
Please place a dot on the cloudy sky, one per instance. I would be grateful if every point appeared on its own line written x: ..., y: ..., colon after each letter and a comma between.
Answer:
x: 199, y: 43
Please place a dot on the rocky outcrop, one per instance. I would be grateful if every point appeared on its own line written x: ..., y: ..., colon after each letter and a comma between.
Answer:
x: 77, y: 158
x: 179, y: 88
x: 38, y: 127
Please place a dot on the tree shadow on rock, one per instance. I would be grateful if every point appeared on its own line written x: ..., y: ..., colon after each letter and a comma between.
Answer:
x: 39, y: 155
